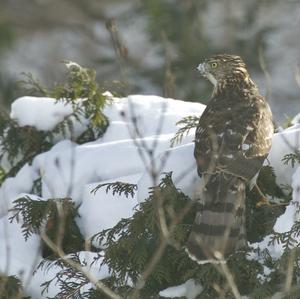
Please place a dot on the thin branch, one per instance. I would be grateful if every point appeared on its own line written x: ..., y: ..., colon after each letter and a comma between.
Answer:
x: 159, y: 252
x: 98, y: 284
x: 289, y: 272
x: 230, y: 281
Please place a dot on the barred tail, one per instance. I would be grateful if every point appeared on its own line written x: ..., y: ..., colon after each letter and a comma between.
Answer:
x: 219, y: 227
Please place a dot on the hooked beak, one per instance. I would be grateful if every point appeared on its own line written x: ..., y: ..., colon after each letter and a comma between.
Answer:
x: 201, y: 69
x: 206, y: 74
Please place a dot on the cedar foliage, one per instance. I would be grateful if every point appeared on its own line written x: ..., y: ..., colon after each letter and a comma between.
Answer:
x: 49, y: 217
x: 21, y: 144
x: 186, y: 124
x: 129, y: 246
x: 118, y: 188
x: 140, y: 237
x: 11, y: 288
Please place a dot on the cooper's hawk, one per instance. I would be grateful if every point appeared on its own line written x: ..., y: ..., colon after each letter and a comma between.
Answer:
x: 232, y: 140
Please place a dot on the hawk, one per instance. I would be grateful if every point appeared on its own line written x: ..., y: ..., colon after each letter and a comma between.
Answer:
x: 232, y: 140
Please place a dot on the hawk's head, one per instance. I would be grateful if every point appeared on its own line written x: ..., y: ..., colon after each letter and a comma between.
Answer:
x: 222, y: 68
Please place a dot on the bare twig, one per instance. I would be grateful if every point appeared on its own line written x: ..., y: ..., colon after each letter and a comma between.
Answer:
x: 263, y: 65
x: 289, y: 272
x: 169, y: 82
x: 159, y: 252
x: 297, y: 75
x: 230, y: 280
x: 98, y: 284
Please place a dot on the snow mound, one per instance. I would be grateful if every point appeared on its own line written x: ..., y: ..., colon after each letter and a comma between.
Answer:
x: 285, y: 222
x: 190, y: 289
x: 136, y: 144
x: 42, y: 113
x: 139, y: 125
x: 284, y: 142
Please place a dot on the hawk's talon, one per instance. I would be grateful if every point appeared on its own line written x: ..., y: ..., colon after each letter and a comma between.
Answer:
x: 263, y: 202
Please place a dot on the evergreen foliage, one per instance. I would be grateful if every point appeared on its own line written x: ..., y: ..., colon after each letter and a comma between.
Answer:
x: 187, y: 123
x: 118, y: 188
x: 262, y: 218
x: 133, y: 242
x: 68, y: 278
x: 55, y: 218
x: 21, y: 144
x: 167, y: 24
x: 181, y: 23
x: 293, y: 158
x: 11, y: 288
x: 7, y: 84
x: 155, y: 236
x: 80, y: 84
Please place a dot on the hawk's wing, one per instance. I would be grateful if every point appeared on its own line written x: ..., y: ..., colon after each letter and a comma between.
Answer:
x: 230, y: 145
x: 233, y: 138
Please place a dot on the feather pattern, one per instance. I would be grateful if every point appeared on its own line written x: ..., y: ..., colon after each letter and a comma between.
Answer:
x: 232, y: 140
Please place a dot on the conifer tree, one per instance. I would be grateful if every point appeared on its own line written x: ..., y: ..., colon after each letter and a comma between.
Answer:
x: 145, y: 253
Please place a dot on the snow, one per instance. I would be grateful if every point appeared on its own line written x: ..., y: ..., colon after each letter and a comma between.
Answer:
x: 190, y: 289
x: 87, y: 263
x: 139, y: 133
x: 116, y: 207
x: 45, y: 113
x: 10, y: 234
x: 42, y: 113
x: 153, y: 115
x: 76, y: 166
x: 285, y: 142
x: 135, y: 145
x: 13, y: 188
x: 285, y: 222
x: 180, y: 161
x: 296, y: 119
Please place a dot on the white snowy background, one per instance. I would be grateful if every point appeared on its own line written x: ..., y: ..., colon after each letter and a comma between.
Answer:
x: 122, y: 154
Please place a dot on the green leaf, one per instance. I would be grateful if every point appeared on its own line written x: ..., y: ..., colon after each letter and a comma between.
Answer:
x: 187, y: 124
x: 118, y: 188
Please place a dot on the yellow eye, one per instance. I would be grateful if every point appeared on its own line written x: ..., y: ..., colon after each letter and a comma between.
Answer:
x: 214, y: 65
